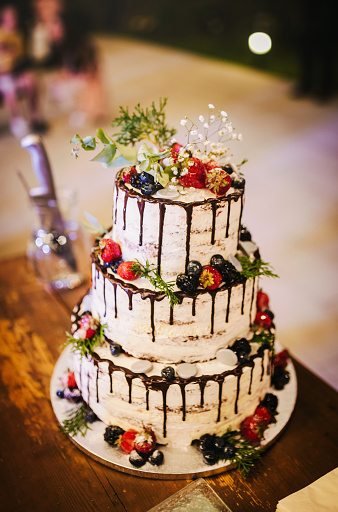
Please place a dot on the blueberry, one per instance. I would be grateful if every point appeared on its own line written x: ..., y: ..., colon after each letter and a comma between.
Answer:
x: 237, y: 181
x: 148, y: 188
x: 135, y: 180
x: 136, y: 459
x: 90, y: 416
x: 243, y: 357
x: 227, y: 168
x: 241, y: 345
x: 229, y: 273
x: 270, y: 401
x: 145, y: 177
x: 280, y: 378
x: 115, y: 265
x: 194, y: 268
x: 156, y: 458
x: 206, y: 443
x: 217, y: 261
x: 219, y: 443
x: 210, y: 457
x: 112, y: 434
x: 115, y: 349
x: 107, y: 264
x: 245, y: 235
x: 168, y: 373
x: 60, y: 393
x: 187, y: 283
x: 229, y: 451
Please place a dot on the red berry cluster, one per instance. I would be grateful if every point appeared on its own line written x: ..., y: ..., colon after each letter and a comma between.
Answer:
x: 128, y: 173
x: 263, y: 316
x: 111, y: 251
x: 209, y: 175
x: 253, y: 427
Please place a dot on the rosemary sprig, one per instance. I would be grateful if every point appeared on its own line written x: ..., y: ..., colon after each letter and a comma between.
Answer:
x: 255, y: 268
x: 149, y: 271
x: 143, y: 124
x: 264, y: 337
x: 246, y: 453
x: 86, y: 345
x: 76, y: 423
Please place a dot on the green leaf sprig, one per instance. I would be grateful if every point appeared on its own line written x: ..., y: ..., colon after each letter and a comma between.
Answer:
x: 76, y: 423
x: 255, y: 268
x: 86, y: 345
x: 144, y: 124
x: 246, y: 453
x: 264, y: 337
x: 149, y: 271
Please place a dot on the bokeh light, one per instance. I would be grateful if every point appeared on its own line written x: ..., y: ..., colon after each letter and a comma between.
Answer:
x: 260, y: 43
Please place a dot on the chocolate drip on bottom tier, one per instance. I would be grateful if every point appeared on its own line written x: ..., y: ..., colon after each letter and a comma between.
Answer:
x: 193, y: 312
x: 228, y: 219
x: 213, y: 298
x: 228, y: 306
x: 140, y: 204
x: 213, y: 227
x: 130, y: 296
x: 238, y: 389
x: 251, y: 376
x: 220, y: 389
x: 97, y: 384
x: 202, y: 385
x: 171, y: 316
x: 242, y: 307
x: 182, y: 386
x: 116, y: 198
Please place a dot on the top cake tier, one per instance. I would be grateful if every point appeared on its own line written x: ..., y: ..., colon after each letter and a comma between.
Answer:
x: 171, y: 232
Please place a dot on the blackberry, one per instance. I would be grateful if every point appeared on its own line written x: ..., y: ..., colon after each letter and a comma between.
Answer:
x: 194, y: 268
x: 229, y: 451
x: 219, y: 443
x: 245, y: 235
x: 135, y: 181
x: 229, y: 273
x: 168, y: 373
x: 217, y: 261
x: 148, y: 188
x: 206, y: 443
x: 90, y: 416
x: 112, y: 434
x: 210, y: 457
x: 237, y: 181
x: 158, y: 186
x: 241, y: 345
x: 156, y: 458
x: 280, y: 378
x: 270, y: 401
x: 242, y: 356
x: 145, y: 177
x: 187, y: 283
x: 136, y: 459
x: 227, y: 168
x: 114, y: 266
x: 115, y: 349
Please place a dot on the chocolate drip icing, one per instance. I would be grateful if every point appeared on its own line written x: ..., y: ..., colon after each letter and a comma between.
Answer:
x: 160, y: 235
x: 171, y: 317
x: 220, y: 389
x: 94, y: 278
x: 182, y: 386
x: 80, y: 370
x: 202, y: 385
x: 262, y: 374
x: 252, y: 299
x: 130, y: 383
x: 115, y: 299
x: 111, y: 382
x: 238, y: 389
x: 228, y: 219
x: 213, y: 297
x: 188, y: 209
x: 251, y: 376
x: 126, y: 197
x: 97, y: 384
x: 243, y: 299
x: 193, y: 307
x: 147, y: 398
x: 104, y: 296
x: 116, y: 198
x: 130, y: 296
x: 240, y: 219
x: 152, y: 321
x: 164, y: 399
x: 213, y: 228
x: 140, y: 204
x: 228, y: 306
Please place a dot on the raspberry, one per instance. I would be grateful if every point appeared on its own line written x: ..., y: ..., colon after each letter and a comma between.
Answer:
x: 111, y: 250
x: 68, y: 380
x: 145, y: 442
x: 125, y: 271
x: 263, y: 414
x: 252, y: 429
x: 195, y: 177
x: 128, y: 173
x: 262, y: 301
x: 128, y: 440
x: 262, y: 319
x: 210, y: 278
x: 281, y: 359
x: 217, y: 180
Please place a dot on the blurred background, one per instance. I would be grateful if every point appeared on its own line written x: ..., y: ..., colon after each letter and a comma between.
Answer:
x: 75, y: 64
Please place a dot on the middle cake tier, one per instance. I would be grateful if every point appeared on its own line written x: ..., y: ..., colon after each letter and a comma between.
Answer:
x: 143, y: 322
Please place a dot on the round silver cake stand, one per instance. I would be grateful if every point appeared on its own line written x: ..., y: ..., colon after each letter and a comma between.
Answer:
x: 179, y: 463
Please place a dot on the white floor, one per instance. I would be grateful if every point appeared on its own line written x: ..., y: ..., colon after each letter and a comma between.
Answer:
x: 292, y: 185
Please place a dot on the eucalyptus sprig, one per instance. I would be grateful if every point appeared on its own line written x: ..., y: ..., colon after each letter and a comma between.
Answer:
x: 255, y: 268
x: 149, y: 271
x: 246, y: 453
x: 144, y: 124
x: 264, y: 337
x: 86, y: 345
x: 76, y: 423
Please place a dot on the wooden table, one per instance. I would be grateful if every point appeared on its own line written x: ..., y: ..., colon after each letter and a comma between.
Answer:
x: 41, y: 470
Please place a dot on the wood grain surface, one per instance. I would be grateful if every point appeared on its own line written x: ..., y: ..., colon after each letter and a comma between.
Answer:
x: 41, y: 470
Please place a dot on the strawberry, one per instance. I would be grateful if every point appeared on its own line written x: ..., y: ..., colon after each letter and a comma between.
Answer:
x: 281, y: 359
x: 195, y: 176
x: 252, y: 429
x: 89, y: 325
x: 262, y: 301
x: 210, y: 278
x: 128, y: 440
x: 68, y: 380
x: 125, y: 271
x: 111, y: 250
x: 262, y: 319
x: 217, y: 179
x: 145, y: 442
x: 263, y: 415
x: 176, y: 147
x: 127, y: 174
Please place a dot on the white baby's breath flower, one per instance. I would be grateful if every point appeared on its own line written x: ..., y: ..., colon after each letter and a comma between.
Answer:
x: 223, y: 113
x: 174, y: 169
x: 183, y: 122
x: 175, y: 172
x: 206, y: 125
x: 184, y: 172
x: 212, y: 117
x: 224, y: 119
x: 239, y: 137
x: 180, y: 159
x: 200, y: 136
x: 229, y: 127
x: 193, y: 132
x: 206, y: 142
x: 201, y: 118
x: 222, y: 132
x: 211, y: 106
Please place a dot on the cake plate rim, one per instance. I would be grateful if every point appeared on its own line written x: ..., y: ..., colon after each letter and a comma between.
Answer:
x: 187, y: 459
